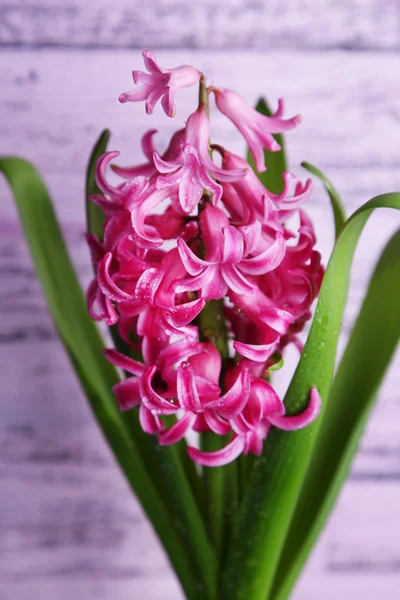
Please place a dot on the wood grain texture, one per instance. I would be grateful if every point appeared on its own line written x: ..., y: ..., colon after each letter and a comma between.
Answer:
x: 68, y: 526
x: 328, y: 24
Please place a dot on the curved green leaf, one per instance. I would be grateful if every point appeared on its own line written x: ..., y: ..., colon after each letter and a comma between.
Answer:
x: 95, y: 217
x: 85, y: 349
x: 339, y: 212
x: 279, y: 473
x: 368, y: 354
x: 275, y: 162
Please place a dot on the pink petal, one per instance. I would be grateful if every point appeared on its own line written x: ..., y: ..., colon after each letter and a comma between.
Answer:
x: 153, y: 97
x: 178, y: 431
x: 190, y: 191
x: 281, y: 108
x: 212, y: 222
x: 267, y: 261
x: 276, y: 124
x: 256, y: 146
x: 135, y: 95
x: 233, y: 245
x: 175, y: 353
x: 221, y: 457
x: 106, y: 284
x: 100, y: 177
x: 202, y: 281
x: 197, y: 135
x: 167, y: 101
x: 258, y: 353
x: 164, y: 166
x: 150, y: 62
x: 213, y: 285
x: 251, y: 236
x: 207, y: 390
x: 207, y: 363
x: 99, y: 306
x: 270, y: 402
x: 216, y: 423
x: 192, y: 263
x: 147, y: 144
x: 255, y: 440
x: 147, y: 285
x: 183, y: 314
x: 124, y: 362
x: 277, y: 318
x: 188, y: 396
x: 305, y: 418
x: 149, y: 423
x: 139, y: 214
x: 107, y: 206
x: 127, y: 393
x: 235, y: 399
x: 251, y: 417
x: 143, y: 170
x: 152, y: 400
x: 235, y: 280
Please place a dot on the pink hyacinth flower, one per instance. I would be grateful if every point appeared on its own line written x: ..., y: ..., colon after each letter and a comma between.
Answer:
x: 225, y: 266
x: 198, y: 396
x: 248, y: 198
x: 191, y: 170
x: 159, y: 83
x: 257, y: 129
x: 188, y: 173
x: 129, y: 393
x: 263, y: 410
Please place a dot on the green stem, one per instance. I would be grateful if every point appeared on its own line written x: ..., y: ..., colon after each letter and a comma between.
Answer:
x: 214, y: 492
x: 212, y: 327
x: 217, y: 480
x: 203, y: 95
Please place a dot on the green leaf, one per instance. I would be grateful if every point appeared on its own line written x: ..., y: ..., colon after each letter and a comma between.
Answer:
x: 368, y: 354
x: 275, y: 162
x: 95, y: 217
x: 279, y: 473
x: 97, y: 376
x: 339, y: 212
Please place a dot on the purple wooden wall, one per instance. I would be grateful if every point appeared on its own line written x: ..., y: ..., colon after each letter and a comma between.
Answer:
x: 68, y: 526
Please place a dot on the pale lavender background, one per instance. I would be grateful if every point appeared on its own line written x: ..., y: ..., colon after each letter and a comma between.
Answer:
x: 68, y: 526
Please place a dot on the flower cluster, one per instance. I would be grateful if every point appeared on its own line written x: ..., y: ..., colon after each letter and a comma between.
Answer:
x: 201, y: 275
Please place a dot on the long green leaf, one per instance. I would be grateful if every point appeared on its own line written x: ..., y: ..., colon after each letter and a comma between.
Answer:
x: 172, y: 472
x: 94, y: 215
x: 339, y: 212
x: 279, y: 473
x: 275, y: 162
x: 84, y: 346
x: 368, y: 354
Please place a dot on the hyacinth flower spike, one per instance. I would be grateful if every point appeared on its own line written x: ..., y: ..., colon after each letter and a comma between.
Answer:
x: 257, y: 129
x: 182, y: 233
x: 159, y: 83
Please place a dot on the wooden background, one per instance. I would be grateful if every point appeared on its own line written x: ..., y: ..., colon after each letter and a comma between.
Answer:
x: 68, y: 526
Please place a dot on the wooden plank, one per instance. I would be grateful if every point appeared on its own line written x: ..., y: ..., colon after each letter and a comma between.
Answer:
x: 354, y: 24
x: 68, y: 525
